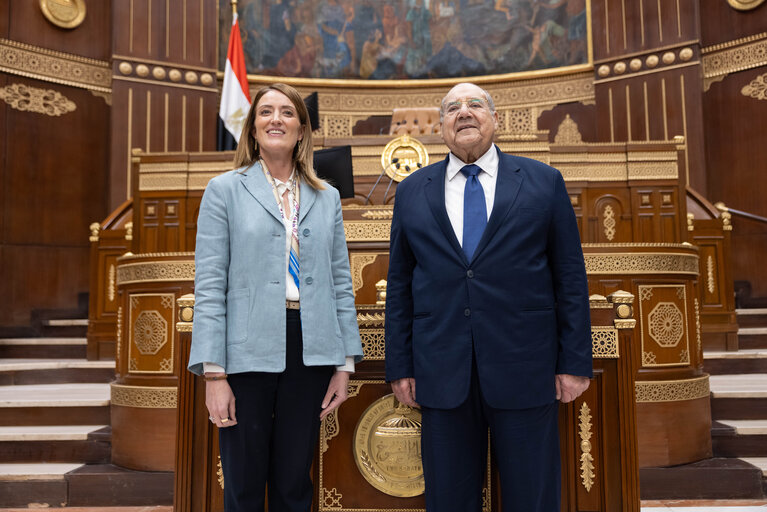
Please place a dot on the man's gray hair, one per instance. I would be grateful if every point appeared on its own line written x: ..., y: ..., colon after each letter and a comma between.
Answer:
x: 488, y: 98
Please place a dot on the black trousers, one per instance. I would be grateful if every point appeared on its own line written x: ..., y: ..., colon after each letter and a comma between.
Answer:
x: 525, y: 447
x: 276, y: 433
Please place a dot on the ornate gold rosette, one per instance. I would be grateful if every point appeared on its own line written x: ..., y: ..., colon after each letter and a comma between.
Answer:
x: 64, y: 13
x: 387, y: 447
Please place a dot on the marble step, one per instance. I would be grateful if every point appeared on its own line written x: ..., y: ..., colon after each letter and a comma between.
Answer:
x: 105, y: 485
x: 67, y: 322
x: 759, y: 462
x: 739, y: 397
x: 752, y: 337
x: 713, y: 479
x: 54, y: 404
x: 19, y: 371
x: 39, y: 485
x: 752, y: 317
x: 739, y: 438
x: 71, y: 348
x: 56, y: 443
x: 737, y: 362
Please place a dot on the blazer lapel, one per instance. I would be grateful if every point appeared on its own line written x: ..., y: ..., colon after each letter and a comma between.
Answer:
x: 307, y: 197
x: 507, y: 187
x: 435, y: 197
x: 255, y: 183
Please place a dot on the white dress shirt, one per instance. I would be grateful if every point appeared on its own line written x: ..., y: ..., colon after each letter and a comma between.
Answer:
x: 291, y: 290
x: 455, y: 182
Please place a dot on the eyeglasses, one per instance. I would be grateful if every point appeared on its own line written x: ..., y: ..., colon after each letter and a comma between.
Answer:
x: 473, y: 104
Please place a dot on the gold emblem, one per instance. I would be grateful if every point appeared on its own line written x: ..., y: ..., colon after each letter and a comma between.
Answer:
x: 64, y: 13
x: 403, y: 156
x: 387, y: 447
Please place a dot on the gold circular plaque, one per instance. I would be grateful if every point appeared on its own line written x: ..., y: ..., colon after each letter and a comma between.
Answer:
x: 64, y: 14
x: 387, y: 447
x: 403, y: 156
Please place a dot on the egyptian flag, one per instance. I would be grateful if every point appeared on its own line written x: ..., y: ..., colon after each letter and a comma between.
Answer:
x: 235, y: 99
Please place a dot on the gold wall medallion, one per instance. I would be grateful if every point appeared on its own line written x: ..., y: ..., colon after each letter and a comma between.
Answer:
x: 410, y: 155
x: 40, y: 101
x: 387, y: 447
x: 64, y: 13
x: 745, y: 5
x: 757, y: 89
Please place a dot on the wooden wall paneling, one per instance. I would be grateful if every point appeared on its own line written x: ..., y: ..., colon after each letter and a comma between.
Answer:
x: 3, y: 168
x: 610, y: 215
x: 584, y: 115
x: 721, y: 23
x: 5, y: 19
x: 734, y: 126
x: 27, y: 24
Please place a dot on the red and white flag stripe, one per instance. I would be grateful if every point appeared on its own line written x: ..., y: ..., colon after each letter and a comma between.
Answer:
x: 235, y: 98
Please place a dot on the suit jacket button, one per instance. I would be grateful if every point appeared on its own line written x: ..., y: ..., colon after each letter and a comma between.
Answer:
x: 467, y: 312
x: 309, y: 280
x: 469, y: 273
x: 306, y: 232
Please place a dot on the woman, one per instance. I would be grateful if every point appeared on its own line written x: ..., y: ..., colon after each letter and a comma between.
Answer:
x: 275, y: 327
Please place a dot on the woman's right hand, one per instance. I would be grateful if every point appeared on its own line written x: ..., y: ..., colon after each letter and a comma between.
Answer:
x: 219, y: 400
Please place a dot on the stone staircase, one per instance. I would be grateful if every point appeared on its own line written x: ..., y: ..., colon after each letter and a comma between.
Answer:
x: 55, y: 438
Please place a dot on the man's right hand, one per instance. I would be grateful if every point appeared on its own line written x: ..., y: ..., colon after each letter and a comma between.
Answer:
x: 404, y: 391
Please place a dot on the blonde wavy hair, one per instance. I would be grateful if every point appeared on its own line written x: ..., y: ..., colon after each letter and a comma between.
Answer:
x: 303, y: 156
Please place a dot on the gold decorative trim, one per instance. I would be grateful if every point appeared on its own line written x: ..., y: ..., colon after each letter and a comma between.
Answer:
x: 144, y: 397
x: 665, y: 324
x: 641, y: 263
x: 156, y: 271
x: 366, y: 231
x: 604, y: 342
x: 597, y: 301
x: 587, y: 460
x: 370, y: 320
x: 697, y: 329
x: 331, y: 499
x: 57, y: 67
x: 388, y: 213
x: 672, y: 390
x: 621, y: 297
x: 95, y: 227
x: 373, y: 344
x: 67, y: 14
x: 745, y: 5
x: 739, y: 55
x: 608, y: 222
x: 220, y: 473
x: 39, y: 101
x: 130, y: 257
x: 111, y: 282
x: 358, y: 262
x: 567, y: 132
x: 710, y: 273
x: 330, y: 429
x: 757, y: 89
x: 119, y: 337
x: 628, y: 323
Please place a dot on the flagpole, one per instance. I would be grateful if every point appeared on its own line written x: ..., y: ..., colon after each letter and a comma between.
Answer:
x: 234, y: 7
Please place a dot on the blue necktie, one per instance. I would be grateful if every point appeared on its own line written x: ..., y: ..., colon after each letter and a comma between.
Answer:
x: 474, y: 210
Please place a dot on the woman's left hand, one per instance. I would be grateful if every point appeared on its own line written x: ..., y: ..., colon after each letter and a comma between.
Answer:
x: 338, y: 391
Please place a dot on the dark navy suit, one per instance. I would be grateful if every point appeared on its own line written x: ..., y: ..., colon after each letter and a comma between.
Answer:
x: 484, y: 338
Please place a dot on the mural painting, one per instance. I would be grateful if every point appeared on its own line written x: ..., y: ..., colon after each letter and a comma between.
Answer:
x: 402, y: 39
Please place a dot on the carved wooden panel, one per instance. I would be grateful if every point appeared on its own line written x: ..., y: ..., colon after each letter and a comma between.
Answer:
x: 664, y: 325
x: 151, y: 333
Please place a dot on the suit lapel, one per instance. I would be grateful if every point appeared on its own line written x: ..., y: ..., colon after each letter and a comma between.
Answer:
x: 307, y: 197
x: 507, y: 187
x: 435, y: 197
x: 255, y: 183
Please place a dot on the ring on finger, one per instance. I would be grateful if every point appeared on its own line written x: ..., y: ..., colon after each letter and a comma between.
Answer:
x: 212, y: 419
x: 224, y: 420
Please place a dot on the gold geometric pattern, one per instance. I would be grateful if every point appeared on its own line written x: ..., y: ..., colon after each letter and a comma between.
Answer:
x: 40, y: 101
x: 156, y: 271
x: 604, y: 342
x: 587, y: 460
x: 684, y: 356
x: 757, y: 89
x: 645, y: 294
x: 358, y: 262
x: 57, y: 67
x: 649, y: 359
x: 366, y: 231
x: 641, y: 263
x: 672, y: 390
x: 723, y: 59
x: 330, y: 429
x: 370, y: 319
x: 146, y: 397
x: 567, y: 132
x: 665, y: 324
x: 373, y: 344
x: 608, y: 222
x: 151, y: 332
x: 332, y: 499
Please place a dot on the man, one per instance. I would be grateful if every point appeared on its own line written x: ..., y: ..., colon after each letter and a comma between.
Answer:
x: 487, y: 313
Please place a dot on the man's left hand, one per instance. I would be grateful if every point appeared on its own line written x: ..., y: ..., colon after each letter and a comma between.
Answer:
x: 570, y: 387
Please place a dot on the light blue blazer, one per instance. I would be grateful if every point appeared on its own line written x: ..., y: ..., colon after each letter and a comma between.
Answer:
x: 239, y: 319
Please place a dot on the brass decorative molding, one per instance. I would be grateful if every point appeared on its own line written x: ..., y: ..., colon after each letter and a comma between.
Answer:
x: 672, y: 390
x: 757, y: 89
x: 330, y: 429
x: 644, y: 63
x: 39, y: 101
x: 65, y: 14
x: 733, y: 56
x: 95, y: 227
x: 331, y: 499
x: 373, y: 344
x: 119, y: 337
x: 370, y: 319
x: 745, y: 5
x: 597, y: 301
x: 608, y: 222
x: 641, y: 263
x: 111, y: 274
x: 604, y: 342
x: 587, y: 460
x: 710, y: 274
x: 155, y: 271
x: 151, y: 332
x: 144, y: 397
x: 383, y: 214
x: 220, y: 473
x: 57, y: 67
x: 185, y: 305
x: 366, y: 231
x: 697, y: 329
x: 666, y: 326
x: 649, y: 359
x: 358, y: 262
x: 567, y: 132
